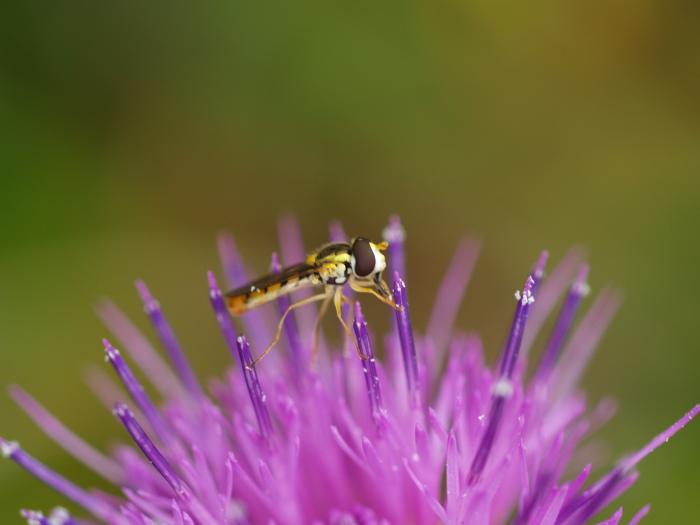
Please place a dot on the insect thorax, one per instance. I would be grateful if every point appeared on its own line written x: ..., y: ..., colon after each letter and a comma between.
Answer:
x: 333, y: 263
x: 335, y: 272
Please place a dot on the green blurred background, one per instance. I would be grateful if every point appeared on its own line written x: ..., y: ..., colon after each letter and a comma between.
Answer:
x: 132, y: 133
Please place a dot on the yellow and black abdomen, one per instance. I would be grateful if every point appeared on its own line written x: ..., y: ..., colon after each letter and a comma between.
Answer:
x: 270, y: 287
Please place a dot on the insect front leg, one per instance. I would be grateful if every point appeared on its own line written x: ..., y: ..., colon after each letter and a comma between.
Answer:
x: 372, y: 288
x: 339, y: 298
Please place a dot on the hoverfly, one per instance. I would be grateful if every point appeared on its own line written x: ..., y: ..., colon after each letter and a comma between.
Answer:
x: 358, y: 263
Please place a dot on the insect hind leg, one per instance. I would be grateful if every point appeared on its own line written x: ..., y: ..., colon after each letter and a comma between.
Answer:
x: 317, y: 325
x: 308, y: 300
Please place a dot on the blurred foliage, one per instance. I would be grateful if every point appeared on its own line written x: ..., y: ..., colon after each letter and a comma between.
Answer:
x: 131, y: 133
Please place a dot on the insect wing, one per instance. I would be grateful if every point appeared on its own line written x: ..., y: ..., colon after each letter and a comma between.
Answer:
x: 270, y: 287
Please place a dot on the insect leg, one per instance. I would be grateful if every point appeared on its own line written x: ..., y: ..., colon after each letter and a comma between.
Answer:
x: 338, y: 300
x: 317, y: 325
x: 308, y: 300
x: 351, y: 315
x: 372, y: 289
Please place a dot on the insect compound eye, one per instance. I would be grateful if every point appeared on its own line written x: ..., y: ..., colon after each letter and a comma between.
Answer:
x: 364, y: 260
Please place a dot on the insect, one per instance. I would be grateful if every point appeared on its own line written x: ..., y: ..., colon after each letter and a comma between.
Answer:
x: 358, y: 263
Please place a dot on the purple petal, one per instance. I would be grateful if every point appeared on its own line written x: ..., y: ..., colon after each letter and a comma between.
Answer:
x: 234, y: 272
x: 452, y: 485
x: 435, y: 505
x: 296, y: 353
x: 255, y: 322
x: 579, y: 350
x: 450, y: 293
x: 662, y: 438
x: 408, y: 348
x: 563, y: 324
x: 293, y: 252
x: 395, y: 235
x: 638, y: 517
x: 149, y: 449
x: 222, y: 316
x: 503, y: 386
x: 60, y: 484
x: 67, y: 439
x: 487, y: 440
x: 170, y: 342
x: 138, y: 394
x: 369, y: 366
x: 550, y: 292
x: 525, y: 300
x: 255, y: 391
x: 140, y: 350
x: 337, y: 232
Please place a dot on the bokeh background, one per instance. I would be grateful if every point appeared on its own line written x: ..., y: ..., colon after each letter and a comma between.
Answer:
x: 132, y: 133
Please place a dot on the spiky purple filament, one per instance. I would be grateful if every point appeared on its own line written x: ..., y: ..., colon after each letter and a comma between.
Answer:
x: 563, y: 325
x: 503, y: 385
x: 170, y: 343
x: 408, y: 347
x: 369, y: 366
x: 149, y: 449
x: 138, y: 394
x: 238, y: 345
x: 395, y: 235
x: 71, y: 491
x: 296, y: 353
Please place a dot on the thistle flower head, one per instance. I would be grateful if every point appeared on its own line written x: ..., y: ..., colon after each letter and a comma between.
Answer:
x: 421, y: 432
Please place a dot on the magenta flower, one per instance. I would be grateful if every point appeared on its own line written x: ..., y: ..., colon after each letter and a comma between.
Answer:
x: 427, y: 434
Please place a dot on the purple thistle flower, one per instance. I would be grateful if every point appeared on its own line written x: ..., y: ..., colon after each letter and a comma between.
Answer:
x: 424, y: 434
